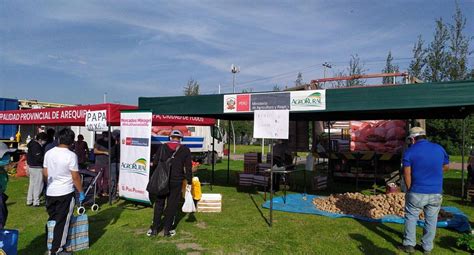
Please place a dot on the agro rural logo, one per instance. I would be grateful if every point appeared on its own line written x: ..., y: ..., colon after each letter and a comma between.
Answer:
x: 138, y: 167
x: 311, y: 100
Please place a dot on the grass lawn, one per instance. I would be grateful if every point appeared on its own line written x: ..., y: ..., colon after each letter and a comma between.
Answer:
x: 240, y: 228
x: 242, y: 149
x: 458, y: 158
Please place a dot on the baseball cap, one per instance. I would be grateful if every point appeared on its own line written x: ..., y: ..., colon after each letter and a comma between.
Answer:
x: 416, y: 131
x: 4, y: 149
x: 176, y: 133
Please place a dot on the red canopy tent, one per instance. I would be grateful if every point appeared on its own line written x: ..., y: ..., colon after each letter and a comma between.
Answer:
x: 75, y: 116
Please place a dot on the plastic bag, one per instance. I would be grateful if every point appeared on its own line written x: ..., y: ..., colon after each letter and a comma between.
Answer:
x: 188, y: 206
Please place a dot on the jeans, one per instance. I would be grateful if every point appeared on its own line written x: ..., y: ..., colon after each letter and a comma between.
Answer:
x: 414, y: 204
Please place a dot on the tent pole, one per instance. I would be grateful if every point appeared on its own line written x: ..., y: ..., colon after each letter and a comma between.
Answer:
x: 271, y: 183
x: 329, y: 148
x: 213, y: 154
x: 228, y: 153
x: 462, y: 158
x: 110, y: 170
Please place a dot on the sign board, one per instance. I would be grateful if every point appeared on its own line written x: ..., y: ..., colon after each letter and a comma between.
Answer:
x: 306, y: 100
x: 96, y: 120
x: 277, y: 101
x: 135, y: 149
x: 273, y: 124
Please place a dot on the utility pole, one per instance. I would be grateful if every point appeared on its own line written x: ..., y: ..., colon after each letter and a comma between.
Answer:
x: 326, y: 65
x: 234, y: 69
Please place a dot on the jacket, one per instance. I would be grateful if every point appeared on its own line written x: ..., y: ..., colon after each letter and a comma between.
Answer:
x: 181, y: 165
x: 35, y: 155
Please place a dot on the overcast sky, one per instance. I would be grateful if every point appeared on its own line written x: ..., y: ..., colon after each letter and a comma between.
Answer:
x: 74, y: 51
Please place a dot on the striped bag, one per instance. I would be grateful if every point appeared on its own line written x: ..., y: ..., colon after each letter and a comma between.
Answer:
x: 78, y: 236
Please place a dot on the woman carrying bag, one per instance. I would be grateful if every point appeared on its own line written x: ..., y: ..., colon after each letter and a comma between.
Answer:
x: 175, y: 158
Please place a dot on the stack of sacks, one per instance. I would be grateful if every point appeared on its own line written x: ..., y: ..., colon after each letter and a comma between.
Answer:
x: 385, y: 136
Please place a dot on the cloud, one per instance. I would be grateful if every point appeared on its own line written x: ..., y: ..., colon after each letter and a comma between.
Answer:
x: 153, y: 47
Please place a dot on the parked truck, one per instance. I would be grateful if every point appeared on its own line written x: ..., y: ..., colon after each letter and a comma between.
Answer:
x: 197, y: 138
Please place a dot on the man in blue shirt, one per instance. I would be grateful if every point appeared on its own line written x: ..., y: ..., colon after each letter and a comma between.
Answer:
x: 423, y: 165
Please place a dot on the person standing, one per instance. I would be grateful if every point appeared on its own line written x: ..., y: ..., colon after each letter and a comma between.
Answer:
x: 81, y: 148
x: 4, y: 160
x: 424, y: 163
x: 101, y: 151
x: 181, y: 169
x: 115, y: 161
x: 34, y: 158
x: 62, y: 174
x: 52, y: 141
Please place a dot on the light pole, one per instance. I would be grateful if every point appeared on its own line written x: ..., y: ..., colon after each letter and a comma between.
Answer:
x: 326, y: 65
x: 233, y: 69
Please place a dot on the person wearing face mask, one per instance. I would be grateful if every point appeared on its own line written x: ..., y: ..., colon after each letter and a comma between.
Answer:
x: 34, y: 158
x: 4, y: 160
x: 181, y: 169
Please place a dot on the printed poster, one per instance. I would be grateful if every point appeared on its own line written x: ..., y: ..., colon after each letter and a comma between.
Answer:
x: 135, y: 149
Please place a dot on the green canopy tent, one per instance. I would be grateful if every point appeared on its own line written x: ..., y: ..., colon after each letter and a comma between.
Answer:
x: 441, y: 100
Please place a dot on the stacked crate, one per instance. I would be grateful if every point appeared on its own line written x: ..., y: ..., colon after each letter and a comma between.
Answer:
x: 320, y: 182
x: 251, y: 161
x: 210, y: 203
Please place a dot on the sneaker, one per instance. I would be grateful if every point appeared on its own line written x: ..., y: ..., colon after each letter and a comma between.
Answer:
x: 152, y: 232
x: 407, y: 248
x: 171, y: 233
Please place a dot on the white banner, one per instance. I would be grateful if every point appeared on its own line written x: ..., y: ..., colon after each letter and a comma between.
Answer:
x: 308, y: 100
x: 96, y: 120
x: 135, y: 149
x: 273, y: 124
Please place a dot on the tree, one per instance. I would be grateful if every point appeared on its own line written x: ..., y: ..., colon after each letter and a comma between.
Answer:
x: 355, y: 68
x: 337, y: 84
x: 191, y: 88
x: 445, y: 59
x: 437, y: 55
x: 276, y: 88
x: 418, y: 62
x: 389, y: 68
x: 458, y: 47
x: 299, y: 79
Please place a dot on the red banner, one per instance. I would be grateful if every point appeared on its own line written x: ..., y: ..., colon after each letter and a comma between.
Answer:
x: 75, y: 116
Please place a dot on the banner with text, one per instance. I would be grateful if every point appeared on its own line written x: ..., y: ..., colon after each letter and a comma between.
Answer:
x: 305, y: 100
x: 96, y: 120
x: 135, y: 149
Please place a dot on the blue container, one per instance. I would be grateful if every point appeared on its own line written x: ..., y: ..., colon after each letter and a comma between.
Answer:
x: 7, y: 131
x: 9, y: 241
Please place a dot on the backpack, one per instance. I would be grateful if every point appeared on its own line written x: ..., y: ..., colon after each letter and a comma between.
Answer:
x: 159, y: 181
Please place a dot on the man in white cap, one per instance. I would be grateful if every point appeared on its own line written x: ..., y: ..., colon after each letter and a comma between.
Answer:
x: 423, y: 165
x: 4, y: 160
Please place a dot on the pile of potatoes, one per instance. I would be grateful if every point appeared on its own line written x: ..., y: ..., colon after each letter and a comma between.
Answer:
x: 370, y: 206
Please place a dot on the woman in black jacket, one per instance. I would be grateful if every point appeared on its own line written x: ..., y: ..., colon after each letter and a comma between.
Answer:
x: 181, y: 168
